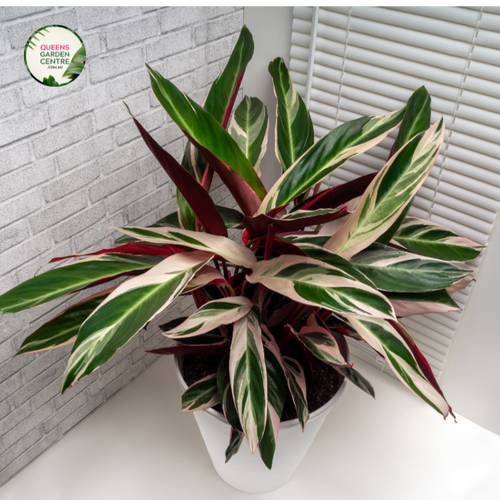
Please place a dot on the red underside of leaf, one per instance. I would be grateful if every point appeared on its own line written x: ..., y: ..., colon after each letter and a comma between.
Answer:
x: 257, y: 226
x: 195, y: 194
x: 244, y: 195
x: 338, y: 195
x: 227, y: 113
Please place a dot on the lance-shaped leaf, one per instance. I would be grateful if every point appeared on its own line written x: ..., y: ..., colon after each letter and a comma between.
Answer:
x: 207, y: 275
x: 356, y: 378
x: 226, y: 248
x: 382, y: 336
x: 77, y: 64
x: 235, y: 439
x: 318, y: 253
x: 249, y: 127
x: 199, y: 200
x: 294, y: 128
x: 329, y: 153
x: 231, y: 217
x: 338, y: 195
x: 226, y: 394
x: 315, y: 283
x: 123, y: 313
x: 66, y: 279
x: 277, y: 388
x: 219, y: 103
x: 258, y: 225
x: 212, y: 140
x: 212, y: 315
x: 247, y: 369
x: 427, y: 238
x: 408, y: 304
x: 298, y: 389
x: 320, y: 342
x: 459, y: 285
x: 62, y: 329
x: 389, y: 193
x: 398, y: 271
x: 313, y: 239
x: 417, y: 117
x: 192, y: 349
x: 201, y: 395
x: 214, y: 337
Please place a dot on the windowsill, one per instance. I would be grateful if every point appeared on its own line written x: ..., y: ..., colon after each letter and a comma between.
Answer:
x: 139, y: 445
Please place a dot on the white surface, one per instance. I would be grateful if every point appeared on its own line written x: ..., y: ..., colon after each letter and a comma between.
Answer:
x: 139, y: 445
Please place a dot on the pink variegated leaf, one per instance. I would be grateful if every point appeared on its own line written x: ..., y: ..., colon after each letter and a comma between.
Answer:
x: 235, y: 439
x: 404, y: 358
x: 409, y: 304
x: 201, y: 395
x: 247, y: 369
x: 298, y: 389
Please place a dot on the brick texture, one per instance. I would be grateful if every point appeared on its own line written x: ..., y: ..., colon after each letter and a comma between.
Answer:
x: 72, y: 164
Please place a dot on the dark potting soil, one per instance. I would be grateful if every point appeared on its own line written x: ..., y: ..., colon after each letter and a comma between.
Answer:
x: 326, y: 381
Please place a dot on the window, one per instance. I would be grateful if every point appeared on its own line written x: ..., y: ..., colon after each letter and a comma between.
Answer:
x: 349, y: 62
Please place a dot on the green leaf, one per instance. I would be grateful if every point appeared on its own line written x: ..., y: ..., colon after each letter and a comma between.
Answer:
x: 408, y: 304
x: 132, y: 305
x: 247, y: 369
x: 237, y: 254
x: 389, y: 193
x: 235, y: 439
x: 417, y: 117
x: 213, y: 141
x: 403, y: 359
x: 294, y: 128
x: 62, y: 329
x: 433, y: 240
x: 50, y: 81
x: 201, y: 395
x: 226, y: 394
x: 249, y: 127
x: 329, y: 153
x: 210, y: 316
x: 311, y: 282
x: 398, y: 271
x: 298, y: 389
x: 66, y: 279
x: 231, y: 217
x: 77, y: 64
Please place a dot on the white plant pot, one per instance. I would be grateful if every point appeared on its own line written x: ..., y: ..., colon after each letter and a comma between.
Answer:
x: 247, y: 472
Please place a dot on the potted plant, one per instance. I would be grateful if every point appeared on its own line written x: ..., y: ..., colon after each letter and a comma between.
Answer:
x: 312, y: 268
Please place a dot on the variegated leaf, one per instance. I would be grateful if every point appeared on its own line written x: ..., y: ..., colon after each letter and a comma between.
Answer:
x: 389, y: 193
x: 459, y: 285
x: 247, y: 369
x: 71, y: 277
x: 315, y: 283
x: 207, y: 275
x: 382, y: 336
x: 408, y: 304
x: 318, y: 253
x: 226, y: 248
x: 277, y: 388
x: 214, y: 337
x: 298, y: 389
x: 215, y: 144
x: 249, y: 127
x: 125, y: 311
x: 212, y: 315
x: 62, y: 329
x: 201, y: 395
x: 320, y: 342
x: 235, y: 439
x: 398, y: 271
x: 329, y: 153
x: 313, y: 239
x: 294, y: 128
x: 427, y: 238
x: 226, y: 394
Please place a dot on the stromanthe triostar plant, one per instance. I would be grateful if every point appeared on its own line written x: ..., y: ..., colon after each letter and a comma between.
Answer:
x: 313, y: 267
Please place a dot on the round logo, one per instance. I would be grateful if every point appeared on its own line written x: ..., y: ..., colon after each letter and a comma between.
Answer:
x: 54, y: 55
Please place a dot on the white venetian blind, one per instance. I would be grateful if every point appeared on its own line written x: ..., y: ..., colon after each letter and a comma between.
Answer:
x: 349, y: 62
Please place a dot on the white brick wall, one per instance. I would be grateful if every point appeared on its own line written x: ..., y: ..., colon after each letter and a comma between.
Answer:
x: 71, y: 165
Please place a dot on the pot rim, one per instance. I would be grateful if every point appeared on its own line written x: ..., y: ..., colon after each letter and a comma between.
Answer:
x: 283, y: 425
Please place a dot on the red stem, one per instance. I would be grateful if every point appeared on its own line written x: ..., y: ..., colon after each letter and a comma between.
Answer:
x: 271, y: 231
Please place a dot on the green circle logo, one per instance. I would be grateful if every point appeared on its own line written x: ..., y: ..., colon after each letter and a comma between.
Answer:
x: 54, y: 55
